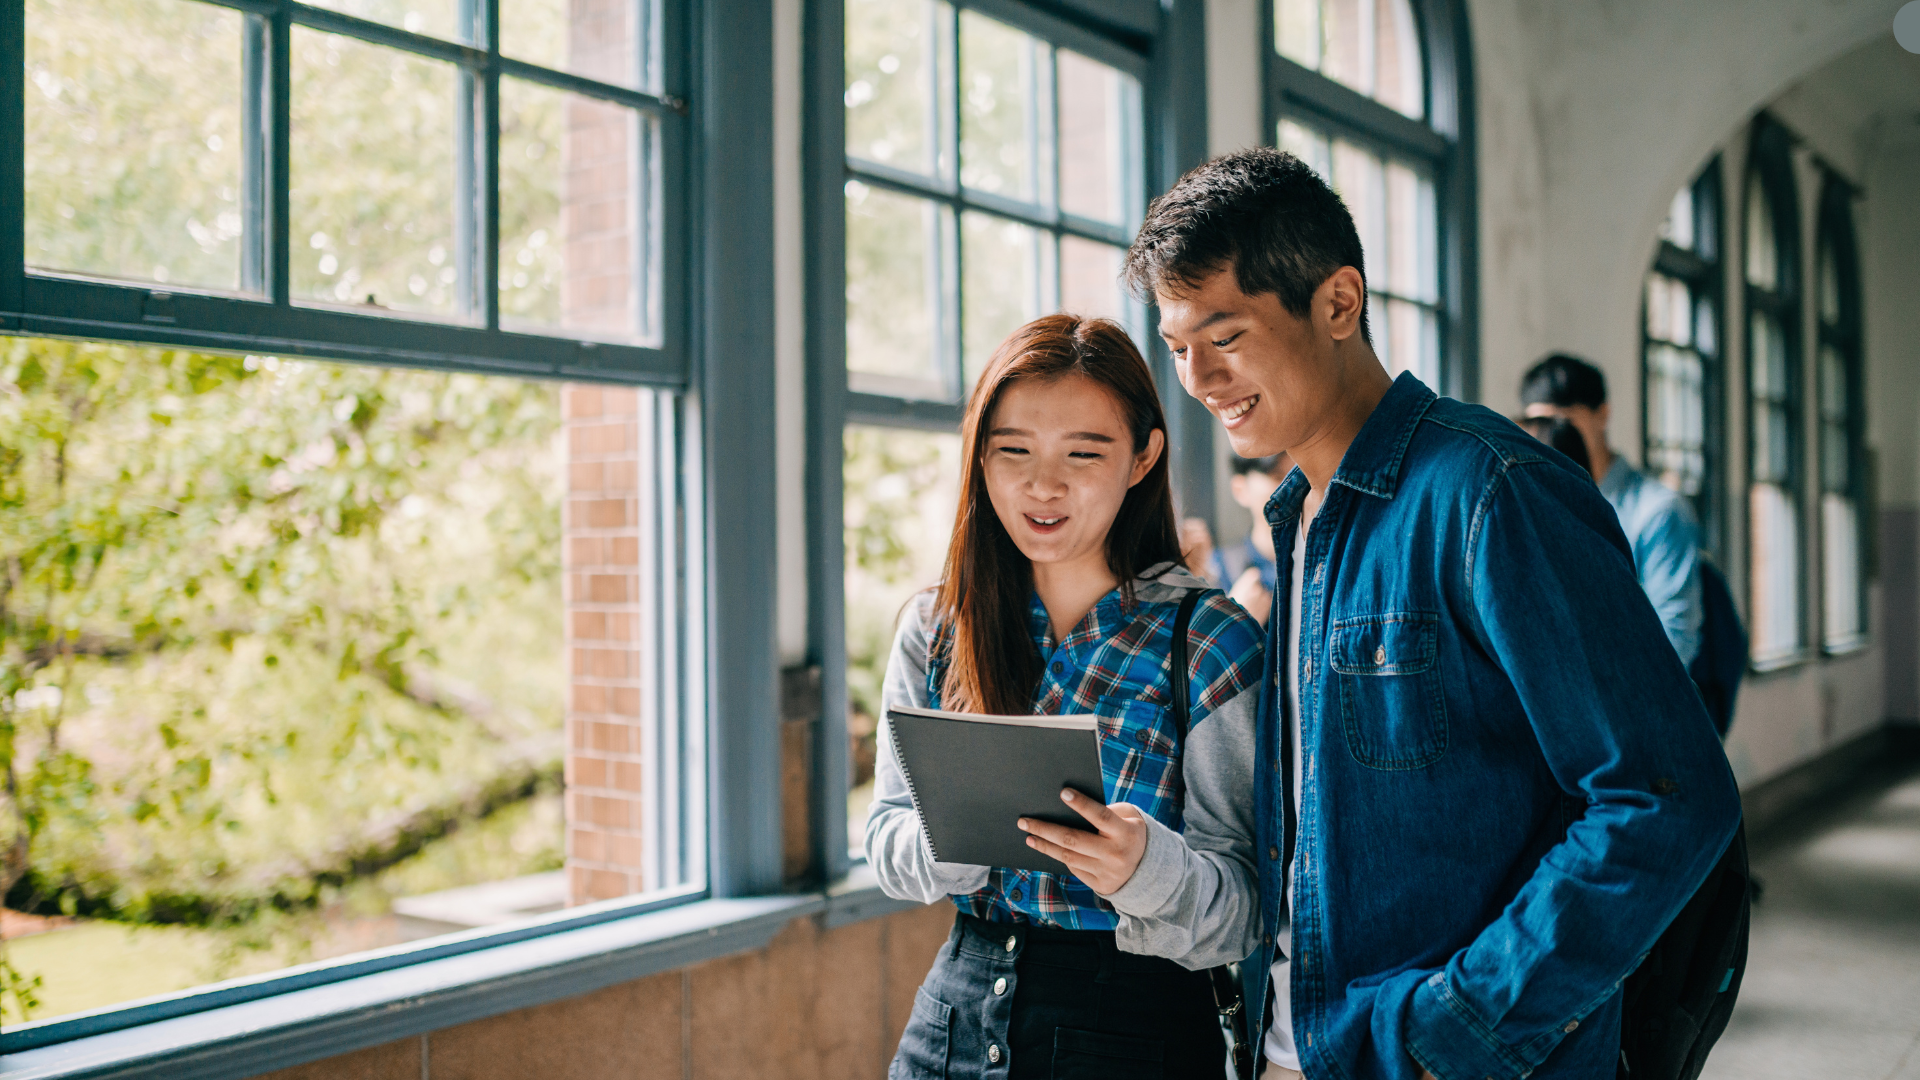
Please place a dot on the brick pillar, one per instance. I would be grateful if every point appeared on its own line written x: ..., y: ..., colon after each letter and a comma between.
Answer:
x: 603, y: 594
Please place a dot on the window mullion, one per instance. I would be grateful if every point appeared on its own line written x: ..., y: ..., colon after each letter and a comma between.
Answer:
x: 278, y: 182
x: 256, y: 133
x: 13, y: 187
x: 486, y: 268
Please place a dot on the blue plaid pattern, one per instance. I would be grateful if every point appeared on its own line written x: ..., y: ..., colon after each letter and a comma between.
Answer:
x: 1114, y: 665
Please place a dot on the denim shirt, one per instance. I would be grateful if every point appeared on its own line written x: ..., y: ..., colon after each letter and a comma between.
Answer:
x: 1666, y: 551
x: 1510, y: 785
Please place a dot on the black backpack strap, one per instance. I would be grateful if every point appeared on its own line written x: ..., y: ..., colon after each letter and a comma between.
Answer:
x: 1228, y: 995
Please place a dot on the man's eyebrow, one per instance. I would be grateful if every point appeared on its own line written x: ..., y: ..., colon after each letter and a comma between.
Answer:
x: 1218, y: 316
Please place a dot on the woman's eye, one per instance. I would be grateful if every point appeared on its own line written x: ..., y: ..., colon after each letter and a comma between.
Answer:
x: 1013, y: 449
x: 1086, y: 455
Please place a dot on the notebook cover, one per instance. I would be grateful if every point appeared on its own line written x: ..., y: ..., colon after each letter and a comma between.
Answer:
x: 973, y: 776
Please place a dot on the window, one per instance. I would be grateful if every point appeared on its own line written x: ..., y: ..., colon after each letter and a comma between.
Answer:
x: 353, y: 179
x: 328, y: 656
x: 1352, y: 95
x: 1773, y: 404
x: 993, y: 171
x: 1843, y: 490
x: 1681, y: 350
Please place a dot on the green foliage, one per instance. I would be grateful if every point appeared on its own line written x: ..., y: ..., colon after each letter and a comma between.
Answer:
x: 255, y: 615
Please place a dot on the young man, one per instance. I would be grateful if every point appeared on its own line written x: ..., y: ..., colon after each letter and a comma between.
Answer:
x: 1479, y: 767
x: 1659, y: 526
x: 1246, y: 570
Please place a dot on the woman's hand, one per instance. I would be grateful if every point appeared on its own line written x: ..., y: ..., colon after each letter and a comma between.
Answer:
x: 1103, y: 859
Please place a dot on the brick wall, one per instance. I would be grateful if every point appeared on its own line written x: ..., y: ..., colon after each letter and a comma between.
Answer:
x: 816, y: 1004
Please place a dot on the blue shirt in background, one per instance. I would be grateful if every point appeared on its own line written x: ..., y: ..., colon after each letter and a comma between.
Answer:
x: 1666, y: 551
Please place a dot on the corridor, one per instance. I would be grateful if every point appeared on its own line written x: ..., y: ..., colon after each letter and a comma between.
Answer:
x: 1833, y: 984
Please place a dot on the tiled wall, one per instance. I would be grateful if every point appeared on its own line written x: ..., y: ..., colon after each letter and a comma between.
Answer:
x: 815, y: 1004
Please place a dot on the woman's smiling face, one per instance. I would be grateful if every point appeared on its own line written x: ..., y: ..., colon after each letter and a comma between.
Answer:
x: 1059, y: 462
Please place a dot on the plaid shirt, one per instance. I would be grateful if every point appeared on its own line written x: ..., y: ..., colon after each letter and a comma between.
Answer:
x: 1114, y: 665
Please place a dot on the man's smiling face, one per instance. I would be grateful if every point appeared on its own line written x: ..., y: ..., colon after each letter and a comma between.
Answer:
x: 1266, y: 373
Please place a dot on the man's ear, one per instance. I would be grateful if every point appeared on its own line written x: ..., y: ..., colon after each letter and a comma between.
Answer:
x: 1604, y: 414
x: 1342, y: 297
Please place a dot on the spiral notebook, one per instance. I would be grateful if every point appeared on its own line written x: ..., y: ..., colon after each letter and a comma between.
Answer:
x: 972, y: 776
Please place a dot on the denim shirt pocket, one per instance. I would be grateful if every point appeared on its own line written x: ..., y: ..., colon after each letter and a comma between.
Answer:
x: 1392, y: 708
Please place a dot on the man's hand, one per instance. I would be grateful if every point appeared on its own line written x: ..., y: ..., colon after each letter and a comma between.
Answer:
x: 1103, y: 859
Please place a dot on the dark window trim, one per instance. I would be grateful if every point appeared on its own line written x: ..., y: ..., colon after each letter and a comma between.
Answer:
x: 1705, y: 275
x: 1770, y: 157
x: 1835, y: 232
x: 265, y: 318
x: 1165, y: 49
x: 1445, y: 143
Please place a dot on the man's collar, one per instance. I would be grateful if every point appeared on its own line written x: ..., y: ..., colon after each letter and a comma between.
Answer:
x: 1371, y: 464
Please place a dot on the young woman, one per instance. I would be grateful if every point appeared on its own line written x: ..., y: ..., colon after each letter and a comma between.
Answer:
x: 1063, y: 579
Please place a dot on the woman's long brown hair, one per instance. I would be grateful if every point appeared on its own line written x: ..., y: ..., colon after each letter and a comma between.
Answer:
x: 991, y: 663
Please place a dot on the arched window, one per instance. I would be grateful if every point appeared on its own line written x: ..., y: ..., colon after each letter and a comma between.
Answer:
x: 1842, y: 422
x: 1367, y: 92
x: 1771, y: 261
x: 1680, y: 350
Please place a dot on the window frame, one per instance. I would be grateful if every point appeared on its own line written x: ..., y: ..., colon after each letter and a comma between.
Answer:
x: 1161, y: 46
x: 62, y: 304
x: 1770, y: 160
x: 1443, y: 143
x: 1835, y: 233
x: 1705, y: 276
x: 717, y: 315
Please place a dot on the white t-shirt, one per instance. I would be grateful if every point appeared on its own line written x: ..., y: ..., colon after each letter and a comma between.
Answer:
x: 1278, y: 1044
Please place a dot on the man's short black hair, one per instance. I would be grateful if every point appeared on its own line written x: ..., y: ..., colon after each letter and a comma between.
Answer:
x: 1561, y: 380
x: 1263, y: 465
x: 1264, y: 213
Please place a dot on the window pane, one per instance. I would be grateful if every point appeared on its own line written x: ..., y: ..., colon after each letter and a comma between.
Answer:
x: 437, y: 17
x: 1309, y: 145
x: 1678, y: 228
x: 1099, y: 108
x: 1090, y: 279
x: 1834, y: 414
x: 1003, y: 88
x: 1006, y: 267
x: 1775, y: 581
x: 1840, y: 551
x: 898, y: 83
x: 1361, y: 181
x: 1829, y: 287
x: 895, y: 291
x: 1676, y: 417
x: 1296, y: 31
x: 1413, y: 264
x: 1400, y: 75
x: 373, y: 201
x: 1348, y: 55
x: 902, y: 488
x: 326, y: 678
x: 133, y: 163
x: 1406, y: 338
x: 600, y: 39
x: 1763, y: 256
x: 573, y: 240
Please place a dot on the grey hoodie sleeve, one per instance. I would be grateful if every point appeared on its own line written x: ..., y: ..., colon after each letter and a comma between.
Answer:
x: 896, y: 842
x: 1194, y: 898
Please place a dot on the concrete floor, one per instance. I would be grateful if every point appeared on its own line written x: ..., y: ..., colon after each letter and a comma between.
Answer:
x: 1832, y: 988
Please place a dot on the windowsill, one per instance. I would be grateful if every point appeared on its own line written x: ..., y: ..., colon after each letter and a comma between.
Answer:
x: 1778, y: 664
x: 300, y: 1026
x: 1850, y: 647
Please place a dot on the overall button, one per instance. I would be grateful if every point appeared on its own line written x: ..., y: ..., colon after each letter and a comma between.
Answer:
x: 999, y: 987
x: 1012, y: 940
x: 993, y: 1053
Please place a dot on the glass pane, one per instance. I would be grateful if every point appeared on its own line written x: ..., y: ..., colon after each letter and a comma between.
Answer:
x: 350, y: 587
x: 373, y: 203
x: 1296, y: 31
x: 894, y: 288
x: 902, y: 488
x: 1840, y: 552
x: 897, y: 79
x: 1003, y: 83
x: 1413, y: 265
x: 1678, y: 228
x: 1309, y: 146
x: 1706, y: 326
x: 1361, y: 181
x: 439, y: 18
x: 1098, y: 111
x: 572, y: 226
x: 1775, y: 580
x: 1006, y: 266
x: 133, y: 151
x: 1658, y: 309
x: 1348, y: 56
x: 600, y: 39
x: 1829, y: 287
x: 1090, y: 279
x: 1406, y: 338
x: 1401, y: 82
x: 1763, y: 257
x: 1676, y: 417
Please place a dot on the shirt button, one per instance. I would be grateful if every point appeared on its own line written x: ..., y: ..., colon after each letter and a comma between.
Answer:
x: 1273, y: 853
x: 1142, y: 735
x: 1014, y: 896
x: 1011, y: 942
x: 999, y: 986
x: 993, y: 1053
x: 1379, y: 654
x: 1571, y: 1024
x: 1266, y: 939
x: 1058, y: 667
